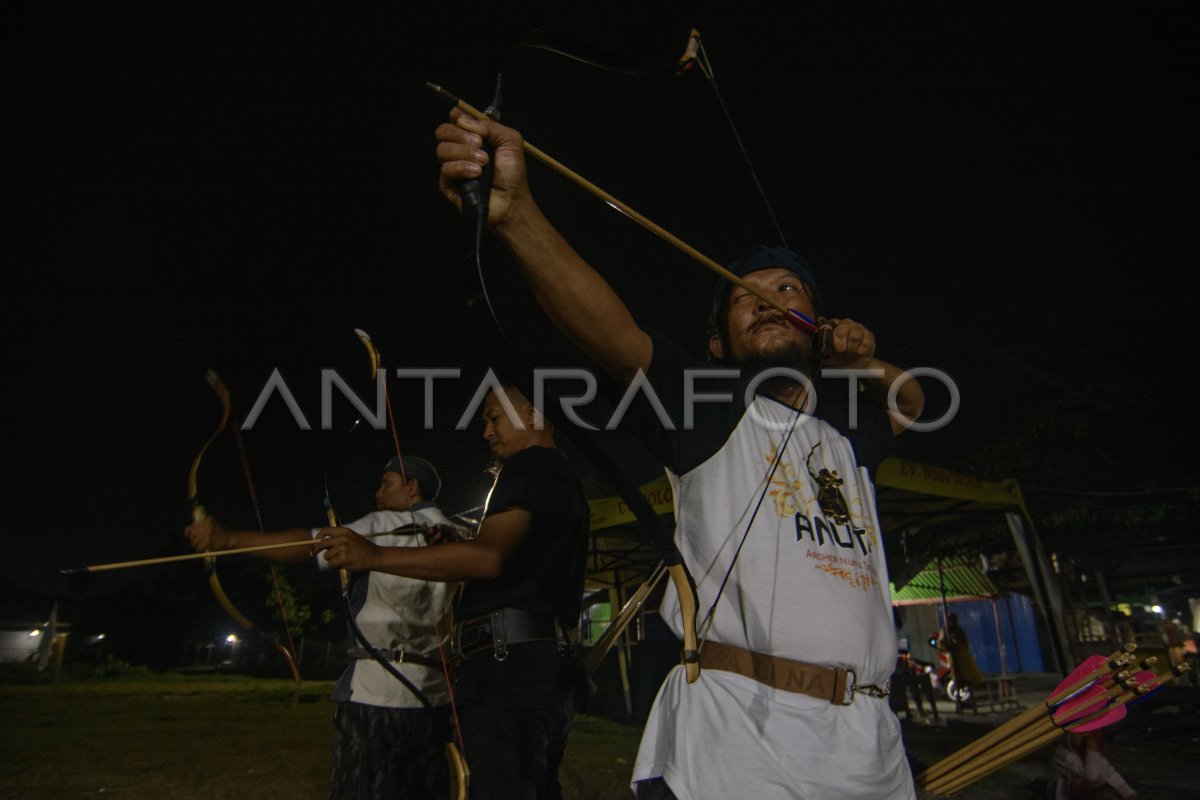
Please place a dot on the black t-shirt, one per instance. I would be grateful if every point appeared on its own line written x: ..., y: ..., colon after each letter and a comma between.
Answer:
x: 545, y: 574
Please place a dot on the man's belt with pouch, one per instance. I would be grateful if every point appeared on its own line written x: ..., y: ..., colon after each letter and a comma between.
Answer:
x: 496, y: 631
x: 833, y: 684
x: 396, y: 655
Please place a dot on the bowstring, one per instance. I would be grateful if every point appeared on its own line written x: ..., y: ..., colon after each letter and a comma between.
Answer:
x: 433, y: 616
x: 705, y: 64
x: 241, y: 446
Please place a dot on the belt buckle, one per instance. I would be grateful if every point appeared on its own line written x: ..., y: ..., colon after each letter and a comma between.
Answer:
x: 851, y: 687
x: 499, y: 635
x: 871, y: 690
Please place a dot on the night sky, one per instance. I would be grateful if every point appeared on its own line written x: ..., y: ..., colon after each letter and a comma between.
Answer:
x: 999, y: 194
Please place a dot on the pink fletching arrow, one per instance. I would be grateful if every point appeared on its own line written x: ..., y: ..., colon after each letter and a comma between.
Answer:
x: 1148, y: 681
x: 1088, y: 701
x: 1145, y: 679
x: 1116, y: 715
x: 1088, y: 666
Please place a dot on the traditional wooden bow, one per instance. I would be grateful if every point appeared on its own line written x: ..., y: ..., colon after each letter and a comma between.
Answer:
x: 210, y: 563
x: 460, y: 774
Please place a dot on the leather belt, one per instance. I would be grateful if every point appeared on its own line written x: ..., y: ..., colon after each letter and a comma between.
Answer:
x: 500, y: 629
x: 396, y: 656
x: 833, y: 684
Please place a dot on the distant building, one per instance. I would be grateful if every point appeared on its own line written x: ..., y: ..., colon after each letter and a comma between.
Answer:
x: 19, y: 642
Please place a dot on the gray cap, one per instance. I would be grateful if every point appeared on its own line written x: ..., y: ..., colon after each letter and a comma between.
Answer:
x: 425, y: 473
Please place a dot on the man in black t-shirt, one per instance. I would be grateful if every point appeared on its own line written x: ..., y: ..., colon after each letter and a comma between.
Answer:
x: 519, y: 609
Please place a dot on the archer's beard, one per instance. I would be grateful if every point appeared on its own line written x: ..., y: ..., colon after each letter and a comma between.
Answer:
x: 795, y: 355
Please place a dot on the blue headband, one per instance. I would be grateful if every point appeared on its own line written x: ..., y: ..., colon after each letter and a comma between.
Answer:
x: 760, y: 256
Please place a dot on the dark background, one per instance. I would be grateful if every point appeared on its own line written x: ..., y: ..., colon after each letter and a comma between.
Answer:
x: 1000, y: 194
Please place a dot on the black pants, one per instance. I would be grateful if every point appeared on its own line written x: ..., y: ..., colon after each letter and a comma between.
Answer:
x: 516, y: 718
x: 514, y: 754
x: 389, y: 753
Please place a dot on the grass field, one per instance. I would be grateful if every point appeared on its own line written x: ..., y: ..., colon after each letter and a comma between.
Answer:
x: 217, y: 737
x: 176, y: 736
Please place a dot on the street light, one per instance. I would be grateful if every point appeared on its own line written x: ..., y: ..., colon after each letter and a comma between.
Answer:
x: 233, y: 640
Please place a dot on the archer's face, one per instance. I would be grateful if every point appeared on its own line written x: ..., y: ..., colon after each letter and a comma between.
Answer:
x: 393, y: 493
x: 503, y: 436
x: 759, y: 333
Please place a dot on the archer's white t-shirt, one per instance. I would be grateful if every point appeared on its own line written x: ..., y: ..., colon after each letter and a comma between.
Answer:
x: 396, y: 612
x: 804, y: 587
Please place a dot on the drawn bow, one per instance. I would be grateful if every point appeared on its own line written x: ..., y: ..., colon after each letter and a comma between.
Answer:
x: 210, y: 564
x: 584, y: 440
x: 460, y: 774
x: 694, y: 55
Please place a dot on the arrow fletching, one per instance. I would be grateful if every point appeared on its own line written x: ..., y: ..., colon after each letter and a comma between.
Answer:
x: 801, y: 321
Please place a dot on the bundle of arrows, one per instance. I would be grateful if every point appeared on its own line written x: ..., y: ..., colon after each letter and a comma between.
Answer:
x: 1093, y: 696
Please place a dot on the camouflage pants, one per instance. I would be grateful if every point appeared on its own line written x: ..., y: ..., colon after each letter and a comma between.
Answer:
x: 654, y: 789
x: 389, y: 753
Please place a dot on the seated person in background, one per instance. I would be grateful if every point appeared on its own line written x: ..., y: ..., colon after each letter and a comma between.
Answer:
x: 1083, y: 773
